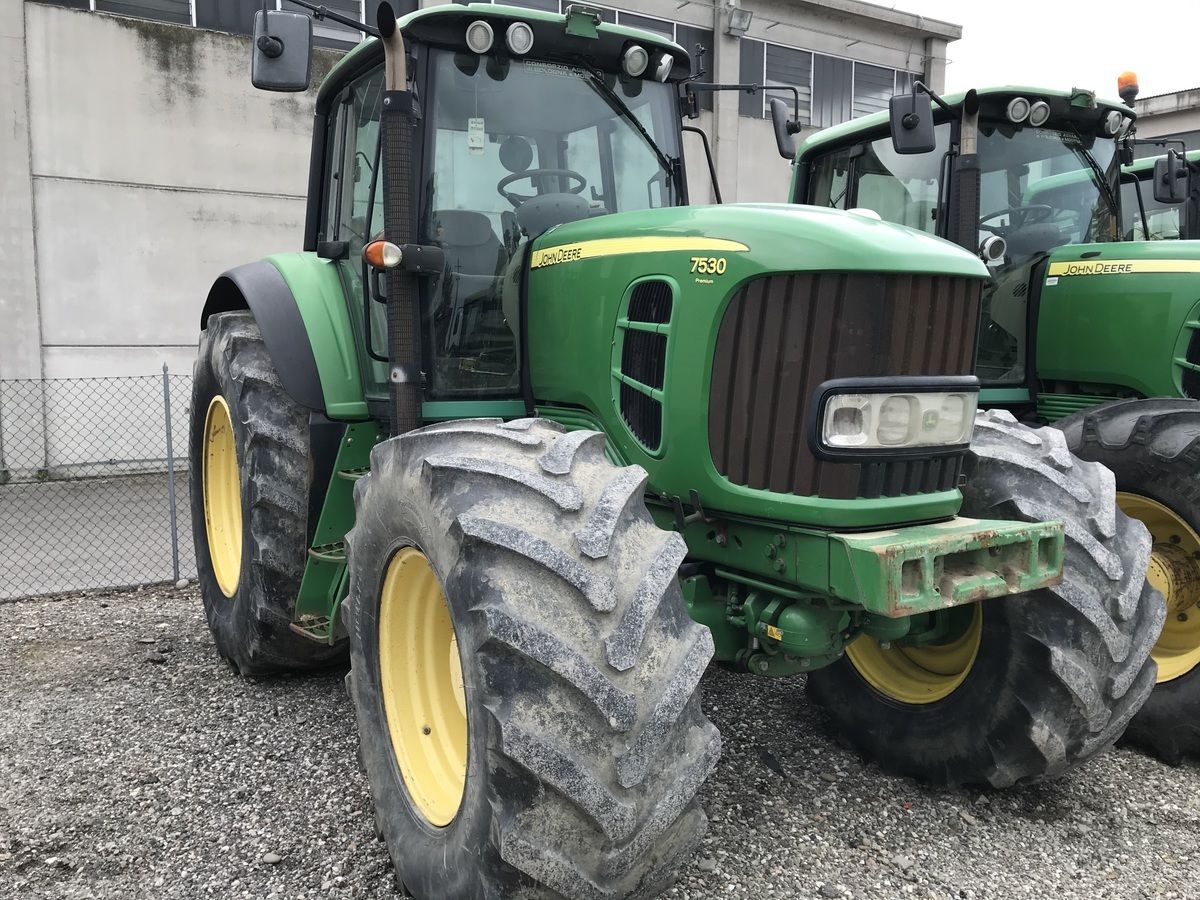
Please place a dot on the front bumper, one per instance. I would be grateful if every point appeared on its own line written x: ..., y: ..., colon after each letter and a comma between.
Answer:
x: 922, y: 568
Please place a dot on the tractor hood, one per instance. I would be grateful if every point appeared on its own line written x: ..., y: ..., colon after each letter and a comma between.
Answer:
x: 699, y: 340
x: 764, y: 238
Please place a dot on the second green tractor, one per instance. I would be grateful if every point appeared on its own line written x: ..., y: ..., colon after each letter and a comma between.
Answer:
x: 1091, y: 315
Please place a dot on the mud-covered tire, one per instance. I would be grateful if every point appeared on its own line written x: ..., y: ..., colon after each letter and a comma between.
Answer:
x: 250, y: 628
x: 1059, y: 671
x: 1153, y: 450
x: 586, y: 741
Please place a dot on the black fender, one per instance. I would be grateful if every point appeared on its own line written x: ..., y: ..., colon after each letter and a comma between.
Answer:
x: 260, y: 288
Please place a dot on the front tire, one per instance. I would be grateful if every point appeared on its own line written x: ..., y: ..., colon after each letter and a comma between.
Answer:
x: 1044, y: 680
x: 249, y: 484
x: 584, y: 742
x: 1153, y: 449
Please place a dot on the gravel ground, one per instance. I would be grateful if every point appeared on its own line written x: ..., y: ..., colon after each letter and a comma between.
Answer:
x: 134, y: 764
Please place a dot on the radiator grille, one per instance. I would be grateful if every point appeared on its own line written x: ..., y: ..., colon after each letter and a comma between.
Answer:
x: 783, y: 335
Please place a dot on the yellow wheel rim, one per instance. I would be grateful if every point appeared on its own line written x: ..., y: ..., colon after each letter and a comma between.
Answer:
x: 422, y: 682
x: 1174, y: 570
x: 918, y: 675
x: 222, y: 489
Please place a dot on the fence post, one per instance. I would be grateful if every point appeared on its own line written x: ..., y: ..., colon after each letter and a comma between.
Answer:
x: 171, y: 474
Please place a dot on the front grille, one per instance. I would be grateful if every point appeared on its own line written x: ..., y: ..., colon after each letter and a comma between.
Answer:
x: 783, y: 335
x: 1191, y: 377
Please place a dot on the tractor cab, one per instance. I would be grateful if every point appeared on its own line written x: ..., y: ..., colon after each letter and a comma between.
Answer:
x: 1011, y: 173
x: 524, y: 121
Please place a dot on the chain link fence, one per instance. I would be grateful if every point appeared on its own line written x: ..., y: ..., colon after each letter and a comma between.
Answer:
x: 93, y: 483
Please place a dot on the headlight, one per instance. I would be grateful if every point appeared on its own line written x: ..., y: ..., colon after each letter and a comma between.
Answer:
x: 906, y: 414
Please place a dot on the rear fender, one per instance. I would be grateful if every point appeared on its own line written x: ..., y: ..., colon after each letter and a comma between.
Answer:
x: 299, y: 305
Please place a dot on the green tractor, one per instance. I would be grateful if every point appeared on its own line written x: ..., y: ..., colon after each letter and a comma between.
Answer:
x: 1085, y: 324
x: 533, y: 440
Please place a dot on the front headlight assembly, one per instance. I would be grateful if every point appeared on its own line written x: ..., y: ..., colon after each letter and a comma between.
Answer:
x: 872, y: 418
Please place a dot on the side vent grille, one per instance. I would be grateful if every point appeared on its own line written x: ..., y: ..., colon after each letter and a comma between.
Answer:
x: 640, y: 360
x: 643, y: 415
x: 1191, y: 375
x: 644, y: 357
x: 651, y: 302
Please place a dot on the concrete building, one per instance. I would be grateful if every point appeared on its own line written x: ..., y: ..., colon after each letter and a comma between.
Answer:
x: 138, y: 163
x: 1175, y: 115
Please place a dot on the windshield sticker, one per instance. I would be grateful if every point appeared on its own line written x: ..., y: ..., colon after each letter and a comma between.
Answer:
x: 1122, y: 267
x: 545, y: 68
x: 476, y: 136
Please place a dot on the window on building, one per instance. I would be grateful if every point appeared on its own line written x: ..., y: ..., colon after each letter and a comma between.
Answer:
x: 873, y: 87
x: 832, y: 89
x: 790, y: 68
x: 177, y: 11
x: 329, y: 33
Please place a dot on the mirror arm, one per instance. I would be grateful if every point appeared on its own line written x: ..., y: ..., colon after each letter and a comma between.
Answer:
x: 321, y: 12
x: 270, y: 47
x: 693, y: 87
x: 712, y: 169
x: 921, y: 87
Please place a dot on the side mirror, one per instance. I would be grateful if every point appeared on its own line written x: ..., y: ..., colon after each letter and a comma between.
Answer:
x: 785, y: 129
x: 282, y: 51
x: 912, y: 123
x: 1171, y: 179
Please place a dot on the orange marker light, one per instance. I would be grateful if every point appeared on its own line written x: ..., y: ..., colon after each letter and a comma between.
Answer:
x: 382, y: 254
x: 1127, y: 86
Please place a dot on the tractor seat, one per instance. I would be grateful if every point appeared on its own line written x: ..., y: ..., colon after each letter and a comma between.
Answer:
x: 470, y: 244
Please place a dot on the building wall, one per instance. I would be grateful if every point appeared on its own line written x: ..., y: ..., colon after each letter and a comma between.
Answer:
x: 1170, y: 115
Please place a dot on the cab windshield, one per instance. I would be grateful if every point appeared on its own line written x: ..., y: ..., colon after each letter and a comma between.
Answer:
x: 518, y: 147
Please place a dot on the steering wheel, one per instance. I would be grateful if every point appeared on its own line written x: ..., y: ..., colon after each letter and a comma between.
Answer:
x: 517, y: 199
x: 1028, y: 215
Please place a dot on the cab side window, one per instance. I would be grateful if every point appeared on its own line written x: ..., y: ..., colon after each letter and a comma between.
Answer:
x: 353, y: 212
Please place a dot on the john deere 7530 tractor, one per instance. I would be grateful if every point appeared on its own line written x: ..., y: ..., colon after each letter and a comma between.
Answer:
x: 534, y: 438
x: 1084, y: 325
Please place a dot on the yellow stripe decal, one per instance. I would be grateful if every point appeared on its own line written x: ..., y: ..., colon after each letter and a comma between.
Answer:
x: 1123, y: 266
x: 552, y: 256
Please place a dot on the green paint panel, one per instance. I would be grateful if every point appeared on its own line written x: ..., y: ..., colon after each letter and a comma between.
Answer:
x: 929, y: 567
x: 1123, y: 330
x: 323, y: 585
x: 1053, y: 407
x: 317, y: 287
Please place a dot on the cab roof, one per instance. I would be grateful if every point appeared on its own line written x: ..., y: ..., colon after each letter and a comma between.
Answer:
x: 445, y: 26
x: 1075, y: 98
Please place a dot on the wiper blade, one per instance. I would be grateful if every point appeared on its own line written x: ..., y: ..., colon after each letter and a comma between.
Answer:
x: 1098, y: 175
x: 619, y: 105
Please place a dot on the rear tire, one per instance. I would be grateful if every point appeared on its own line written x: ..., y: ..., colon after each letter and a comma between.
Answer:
x: 250, y: 626
x: 1153, y: 449
x: 580, y: 667
x: 1059, y: 671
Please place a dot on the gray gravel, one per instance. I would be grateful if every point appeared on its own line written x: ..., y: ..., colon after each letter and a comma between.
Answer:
x: 134, y: 764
